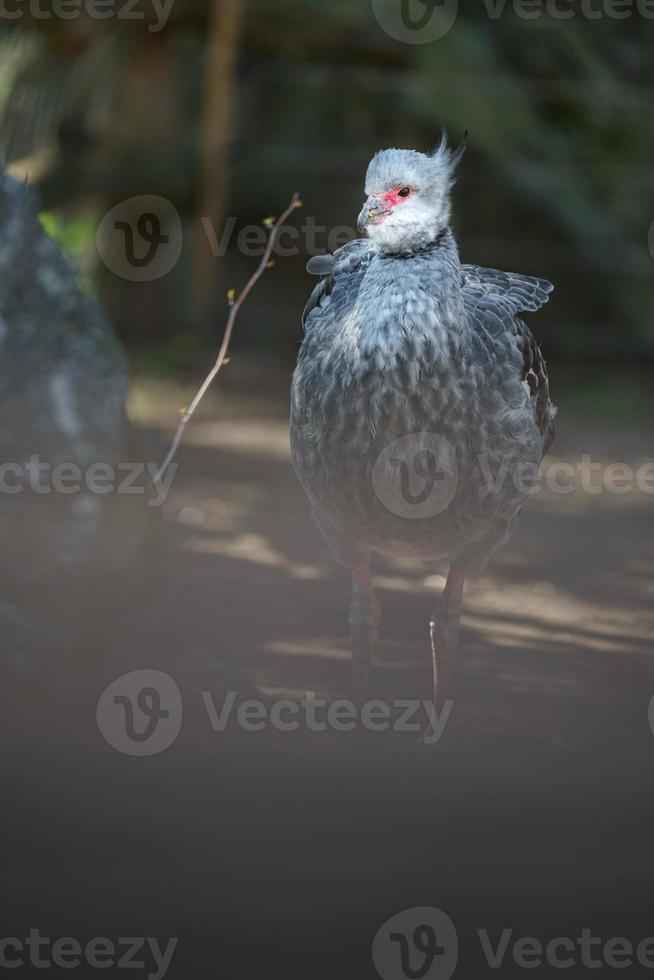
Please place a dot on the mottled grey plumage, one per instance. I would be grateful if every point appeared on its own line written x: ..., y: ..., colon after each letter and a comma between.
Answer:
x: 415, y: 342
x: 400, y: 339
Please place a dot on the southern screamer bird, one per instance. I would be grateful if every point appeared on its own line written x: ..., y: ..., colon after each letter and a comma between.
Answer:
x: 420, y: 402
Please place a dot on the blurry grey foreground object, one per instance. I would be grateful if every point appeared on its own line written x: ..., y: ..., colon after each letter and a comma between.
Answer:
x: 419, y: 399
x: 62, y: 399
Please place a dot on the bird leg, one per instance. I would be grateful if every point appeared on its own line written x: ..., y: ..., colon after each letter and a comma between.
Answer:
x: 365, y: 617
x: 444, y: 630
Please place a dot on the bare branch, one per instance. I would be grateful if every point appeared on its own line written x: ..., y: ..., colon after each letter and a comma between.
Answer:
x: 227, y: 336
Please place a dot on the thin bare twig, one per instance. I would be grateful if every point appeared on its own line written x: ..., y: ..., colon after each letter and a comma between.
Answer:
x: 236, y: 304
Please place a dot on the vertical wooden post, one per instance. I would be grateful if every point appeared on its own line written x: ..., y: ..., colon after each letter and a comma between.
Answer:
x: 215, y: 144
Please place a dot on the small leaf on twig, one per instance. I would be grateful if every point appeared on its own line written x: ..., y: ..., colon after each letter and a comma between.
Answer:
x: 270, y: 264
x: 231, y: 295
x: 183, y: 410
x: 268, y: 222
x: 298, y: 203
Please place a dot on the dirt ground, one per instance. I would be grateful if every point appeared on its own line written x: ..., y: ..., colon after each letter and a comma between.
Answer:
x: 281, y: 854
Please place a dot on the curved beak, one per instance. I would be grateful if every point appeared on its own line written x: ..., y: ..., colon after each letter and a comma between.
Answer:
x: 371, y: 213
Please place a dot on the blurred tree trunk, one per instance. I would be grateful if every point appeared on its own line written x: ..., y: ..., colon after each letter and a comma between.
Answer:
x: 215, y: 145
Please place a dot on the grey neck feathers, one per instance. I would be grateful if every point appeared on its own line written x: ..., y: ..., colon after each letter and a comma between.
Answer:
x: 423, y: 241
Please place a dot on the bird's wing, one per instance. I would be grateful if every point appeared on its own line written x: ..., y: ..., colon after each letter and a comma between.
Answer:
x: 509, y: 292
x: 493, y: 301
x: 341, y: 274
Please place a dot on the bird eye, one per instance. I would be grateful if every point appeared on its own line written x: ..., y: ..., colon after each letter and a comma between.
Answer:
x: 404, y: 192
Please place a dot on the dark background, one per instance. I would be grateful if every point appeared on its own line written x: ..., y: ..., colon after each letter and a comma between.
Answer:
x: 278, y: 855
x: 232, y: 106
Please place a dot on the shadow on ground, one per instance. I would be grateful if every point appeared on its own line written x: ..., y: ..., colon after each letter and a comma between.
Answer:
x: 281, y: 853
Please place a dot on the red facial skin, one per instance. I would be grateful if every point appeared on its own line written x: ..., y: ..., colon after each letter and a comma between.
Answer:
x: 390, y: 200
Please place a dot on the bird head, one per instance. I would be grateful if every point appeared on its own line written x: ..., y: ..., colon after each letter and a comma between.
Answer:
x: 408, y: 192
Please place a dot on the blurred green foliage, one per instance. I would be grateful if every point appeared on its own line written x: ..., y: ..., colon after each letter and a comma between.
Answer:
x: 75, y: 235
